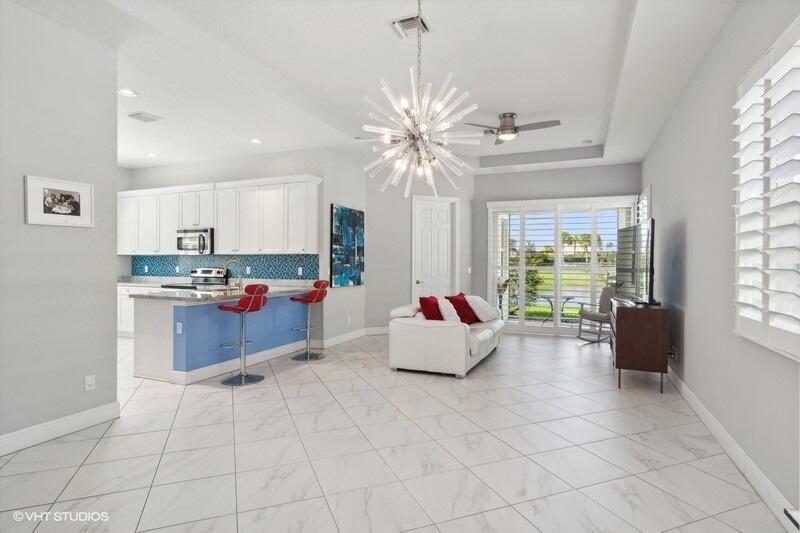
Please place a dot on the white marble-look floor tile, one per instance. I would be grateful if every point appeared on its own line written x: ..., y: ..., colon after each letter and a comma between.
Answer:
x: 272, y: 452
x: 35, y: 488
x: 704, y: 491
x: 539, y: 411
x: 507, y: 396
x: 722, y: 467
x: 199, y: 437
x: 380, y: 509
x: 629, y: 455
x: 128, y: 446
x: 90, y: 433
x: 114, y: 476
x: 490, y: 418
x: 219, y: 524
x: 264, y: 429
x: 123, y: 509
x: 572, y: 512
x: 447, y: 425
x: 129, y: 424
x: 266, y: 487
x: 335, y: 442
x: 402, y: 393
x: 619, y: 422
x: 578, y: 467
x: 706, y: 525
x: 394, y: 433
x: 503, y: 520
x: 309, y: 404
x: 520, y: 479
x: 262, y: 409
x: 307, y: 516
x: 544, y: 391
x: 531, y: 438
x: 659, y: 415
x: 203, y: 416
x: 478, y: 448
x: 577, y: 430
x: 577, y: 405
x: 453, y: 494
x: 189, y: 501
x: 375, y: 414
x: 753, y: 518
x: 347, y: 385
x: 10, y: 522
x: 322, y: 421
x: 467, y: 401
x: 48, y: 456
x: 300, y: 390
x: 644, y: 506
x: 684, y: 443
x: 422, y: 407
x: 419, y: 459
x: 352, y: 471
x: 195, y: 464
x: 260, y: 394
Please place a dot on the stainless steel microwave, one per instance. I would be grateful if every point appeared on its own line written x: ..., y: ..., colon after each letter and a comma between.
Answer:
x: 196, y: 241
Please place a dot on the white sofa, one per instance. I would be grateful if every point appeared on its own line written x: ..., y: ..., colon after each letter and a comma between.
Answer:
x: 437, y: 345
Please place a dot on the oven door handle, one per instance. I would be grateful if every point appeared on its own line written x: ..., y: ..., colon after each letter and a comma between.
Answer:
x: 201, y: 243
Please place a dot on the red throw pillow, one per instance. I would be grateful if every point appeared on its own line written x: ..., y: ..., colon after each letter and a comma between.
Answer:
x: 465, y: 312
x: 430, y: 308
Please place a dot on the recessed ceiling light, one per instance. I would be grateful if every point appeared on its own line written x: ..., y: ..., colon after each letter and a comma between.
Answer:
x: 255, y: 141
x: 587, y: 141
x: 151, y: 155
x: 130, y: 93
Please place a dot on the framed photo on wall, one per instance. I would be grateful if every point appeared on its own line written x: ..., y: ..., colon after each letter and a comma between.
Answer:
x: 347, y: 246
x: 58, y: 203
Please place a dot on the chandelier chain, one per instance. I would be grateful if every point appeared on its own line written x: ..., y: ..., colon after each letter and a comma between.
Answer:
x: 419, y: 44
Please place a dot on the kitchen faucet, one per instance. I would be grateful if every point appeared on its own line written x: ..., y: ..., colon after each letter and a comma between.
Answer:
x: 239, y: 282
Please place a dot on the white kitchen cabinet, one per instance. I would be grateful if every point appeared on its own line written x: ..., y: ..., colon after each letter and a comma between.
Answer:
x: 124, y: 313
x: 273, y: 218
x: 197, y: 209
x: 248, y: 220
x: 302, y: 220
x: 225, y: 223
x: 127, y: 226
x: 148, y: 226
x: 169, y: 220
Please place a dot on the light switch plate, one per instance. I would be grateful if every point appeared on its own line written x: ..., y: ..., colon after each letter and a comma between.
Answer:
x: 178, y: 328
x: 146, y: 269
x: 177, y: 269
x: 88, y: 383
x: 299, y: 271
x: 247, y: 270
x: 469, y: 270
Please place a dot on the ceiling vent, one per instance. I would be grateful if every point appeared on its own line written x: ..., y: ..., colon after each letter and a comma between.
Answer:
x: 141, y: 116
x: 404, y: 26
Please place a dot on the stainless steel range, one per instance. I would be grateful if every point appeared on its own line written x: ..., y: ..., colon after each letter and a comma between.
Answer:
x: 203, y: 279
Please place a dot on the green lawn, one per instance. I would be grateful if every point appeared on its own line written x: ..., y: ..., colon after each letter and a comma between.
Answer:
x: 541, y: 310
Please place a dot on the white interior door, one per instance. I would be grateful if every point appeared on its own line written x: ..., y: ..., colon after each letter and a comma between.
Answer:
x: 432, y: 262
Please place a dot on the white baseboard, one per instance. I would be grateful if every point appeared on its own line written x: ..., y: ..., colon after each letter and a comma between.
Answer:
x: 23, y: 438
x: 377, y: 330
x: 207, y: 372
x: 774, y: 500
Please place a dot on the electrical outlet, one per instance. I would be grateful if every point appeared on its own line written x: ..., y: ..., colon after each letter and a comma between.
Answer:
x: 146, y: 269
x: 247, y: 270
x: 88, y: 383
x: 469, y: 270
x: 348, y: 319
x: 177, y: 269
x: 299, y: 271
x: 178, y: 328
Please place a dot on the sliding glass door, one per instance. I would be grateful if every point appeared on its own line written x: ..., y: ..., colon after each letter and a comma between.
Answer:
x: 547, y: 257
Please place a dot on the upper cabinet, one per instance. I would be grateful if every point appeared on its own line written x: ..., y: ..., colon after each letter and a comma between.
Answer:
x: 260, y: 216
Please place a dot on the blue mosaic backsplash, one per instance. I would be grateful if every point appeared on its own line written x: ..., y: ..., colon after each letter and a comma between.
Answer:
x: 261, y: 266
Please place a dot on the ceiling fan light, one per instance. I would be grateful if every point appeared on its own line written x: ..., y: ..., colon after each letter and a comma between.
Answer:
x: 507, y: 136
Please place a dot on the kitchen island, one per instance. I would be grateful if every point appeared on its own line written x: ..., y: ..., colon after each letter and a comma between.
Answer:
x: 179, y: 333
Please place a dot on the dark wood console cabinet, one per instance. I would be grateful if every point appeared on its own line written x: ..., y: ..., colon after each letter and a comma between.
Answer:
x: 639, y: 337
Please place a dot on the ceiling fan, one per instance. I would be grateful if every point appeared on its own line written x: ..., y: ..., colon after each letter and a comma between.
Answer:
x: 508, y: 131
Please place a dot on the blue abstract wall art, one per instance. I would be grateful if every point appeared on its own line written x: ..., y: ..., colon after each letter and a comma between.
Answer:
x: 347, y: 246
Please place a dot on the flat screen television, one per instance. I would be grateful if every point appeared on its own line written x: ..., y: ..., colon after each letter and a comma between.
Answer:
x: 635, y: 262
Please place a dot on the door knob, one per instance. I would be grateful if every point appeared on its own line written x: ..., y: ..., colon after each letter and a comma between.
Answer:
x: 419, y: 282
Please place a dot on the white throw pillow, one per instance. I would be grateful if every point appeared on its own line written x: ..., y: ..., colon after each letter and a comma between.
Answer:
x: 482, y: 309
x: 405, y: 311
x: 448, y: 311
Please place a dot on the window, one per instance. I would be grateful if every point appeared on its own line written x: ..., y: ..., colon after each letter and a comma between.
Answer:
x: 767, y: 207
x: 643, y: 206
x: 546, y: 257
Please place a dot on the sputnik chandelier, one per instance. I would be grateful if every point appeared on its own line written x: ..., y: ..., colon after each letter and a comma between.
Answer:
x: 413, y: 141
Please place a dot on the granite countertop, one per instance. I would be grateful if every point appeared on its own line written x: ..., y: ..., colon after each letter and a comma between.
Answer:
x: 232, y: 293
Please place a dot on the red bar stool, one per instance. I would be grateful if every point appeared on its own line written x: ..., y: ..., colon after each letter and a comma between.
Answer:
x: 313, y: 297
x: 255, y: 298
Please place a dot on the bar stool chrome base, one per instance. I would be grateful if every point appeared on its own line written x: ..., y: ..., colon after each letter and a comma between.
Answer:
x: 242, y: 379
x: 308, y: 356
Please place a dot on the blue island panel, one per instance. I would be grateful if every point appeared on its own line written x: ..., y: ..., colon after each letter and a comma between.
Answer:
x: 205, y: 328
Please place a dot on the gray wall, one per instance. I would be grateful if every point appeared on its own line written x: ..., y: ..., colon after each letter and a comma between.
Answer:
x: 343, y: 183
x: 608, y: 180
x: 58, y: 307
x: 388, y: 242
x: 752, y: 391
